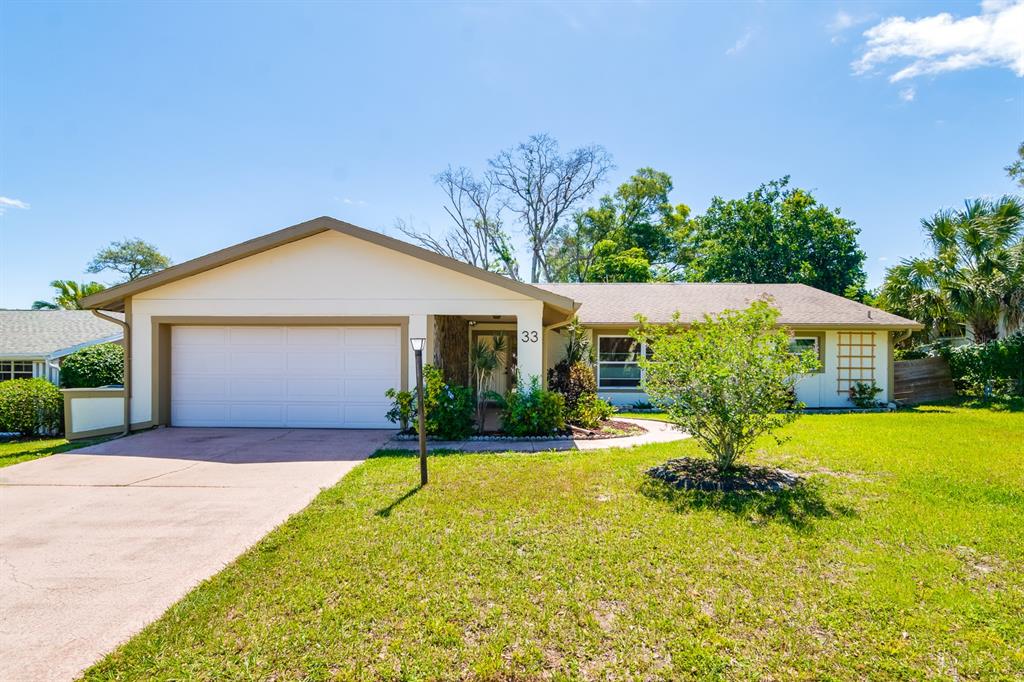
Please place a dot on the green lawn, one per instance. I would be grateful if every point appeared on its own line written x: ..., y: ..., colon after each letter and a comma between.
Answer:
x: 656, y: 416
x: 902, y: 559
x: 16, y: 451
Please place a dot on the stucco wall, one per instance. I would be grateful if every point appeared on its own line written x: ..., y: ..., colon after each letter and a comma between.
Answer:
x: 326, y: 275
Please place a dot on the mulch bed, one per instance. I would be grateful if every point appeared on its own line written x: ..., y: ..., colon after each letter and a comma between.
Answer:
x: 608, y: 429
x: 700, y: 474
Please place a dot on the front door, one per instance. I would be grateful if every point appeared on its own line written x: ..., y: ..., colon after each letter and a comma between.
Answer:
x: 503, y: 377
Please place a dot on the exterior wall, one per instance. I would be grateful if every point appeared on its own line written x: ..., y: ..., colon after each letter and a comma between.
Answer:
x: 328, y: 275
x: 93, y: 412
x: 815, y: 390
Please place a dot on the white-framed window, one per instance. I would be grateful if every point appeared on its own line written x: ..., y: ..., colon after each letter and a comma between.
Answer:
x: 618, y: 365
x: 798, y: 345
x: 15, y: 369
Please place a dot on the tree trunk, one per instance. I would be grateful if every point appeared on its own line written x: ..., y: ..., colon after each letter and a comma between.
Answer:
x: 451, y: 348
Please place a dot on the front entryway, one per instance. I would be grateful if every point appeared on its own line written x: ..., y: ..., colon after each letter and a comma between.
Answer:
x: 503, y: 378
x: 283, y: 376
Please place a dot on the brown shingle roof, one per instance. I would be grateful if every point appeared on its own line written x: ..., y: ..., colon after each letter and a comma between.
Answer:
x: 39, y: 333
x: 798, y: 304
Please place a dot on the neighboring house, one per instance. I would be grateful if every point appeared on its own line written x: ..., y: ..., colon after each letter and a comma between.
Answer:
x: 34, y: 342
x: 310, y: 325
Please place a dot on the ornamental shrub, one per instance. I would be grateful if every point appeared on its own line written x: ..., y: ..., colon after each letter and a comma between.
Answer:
x: 94, y: 366
x: 533, y: 411
x: 992, y: 369
x: 449, y: 408
x: 403, y: 408
x: 575, y: 381
x: 590, y: 411
x: 30, y: 406
x: 725, y: 380
x: 864, y: 395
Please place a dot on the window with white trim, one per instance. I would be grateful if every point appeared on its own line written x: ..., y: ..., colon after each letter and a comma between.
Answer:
x: 798, y: 345
x: 15, y: 369
x: 618, y: 363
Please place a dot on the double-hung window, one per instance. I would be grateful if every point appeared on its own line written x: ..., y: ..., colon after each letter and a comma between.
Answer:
x: 15, y: 369
x: 618, y: 365
x: 801, y: 343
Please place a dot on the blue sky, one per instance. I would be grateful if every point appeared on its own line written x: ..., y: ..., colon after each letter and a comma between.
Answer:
x: 196, y: 126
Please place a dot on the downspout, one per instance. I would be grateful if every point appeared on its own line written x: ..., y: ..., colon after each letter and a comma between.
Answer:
x: 127, y: 341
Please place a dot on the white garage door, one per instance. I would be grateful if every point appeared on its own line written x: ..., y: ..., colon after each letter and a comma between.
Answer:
x: 300, y: 377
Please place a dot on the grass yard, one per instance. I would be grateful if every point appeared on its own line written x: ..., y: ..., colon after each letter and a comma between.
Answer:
x: 902, y: 559
x: 17, y: 451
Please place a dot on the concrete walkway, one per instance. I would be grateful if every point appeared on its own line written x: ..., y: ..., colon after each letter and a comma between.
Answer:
x: 657, y: 432
x: 96, y: 543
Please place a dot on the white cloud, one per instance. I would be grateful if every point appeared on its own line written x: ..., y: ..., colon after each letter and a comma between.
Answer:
x: 742, y: 43
x: 353, y: 202
x: 907, y: 94
x: 843, y: 21
x: 941, y: 43
x: 7, y: 202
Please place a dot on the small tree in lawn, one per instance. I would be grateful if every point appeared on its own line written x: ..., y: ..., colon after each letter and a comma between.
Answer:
x: 725, y: 380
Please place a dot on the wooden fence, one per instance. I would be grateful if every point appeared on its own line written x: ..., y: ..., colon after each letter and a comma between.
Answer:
x: 918, y: 381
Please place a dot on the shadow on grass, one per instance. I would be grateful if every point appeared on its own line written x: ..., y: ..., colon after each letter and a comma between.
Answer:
x: 17, y: 450
x: 386, y: 511
x: 797, y: 507
x: 991, y: 405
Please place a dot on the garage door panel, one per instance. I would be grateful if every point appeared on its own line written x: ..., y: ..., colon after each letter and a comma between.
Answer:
x: 316, y: 377
x: 199, y: 336
x: 372, y: 337
x: 257, y: 389
x: 315, y: 389
x: 312, y: 336
x: 257, y: 336
x: 201, y: 388
x: 199, y: 361
x: 312, y: 415
x: 262, y: 362
x: 370, y: 362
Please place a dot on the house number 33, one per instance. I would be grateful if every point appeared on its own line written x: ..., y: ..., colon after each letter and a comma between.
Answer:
x: 529, y: 337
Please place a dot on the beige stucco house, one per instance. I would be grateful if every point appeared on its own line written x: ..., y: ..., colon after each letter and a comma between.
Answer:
x: 308, y: 326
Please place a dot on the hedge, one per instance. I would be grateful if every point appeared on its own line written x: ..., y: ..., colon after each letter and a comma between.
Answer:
x: 995, y: 368
x: 94, y: 366
x: 30, y: 406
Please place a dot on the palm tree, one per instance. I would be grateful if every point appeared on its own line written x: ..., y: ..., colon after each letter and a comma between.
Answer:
x: 484, y: 360
x: 974, y: 275
x: 69, y: 295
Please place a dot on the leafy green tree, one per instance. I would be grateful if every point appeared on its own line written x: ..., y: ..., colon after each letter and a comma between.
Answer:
x: 1016, y: 169
x: 69, y: 295
x: 633, y: 235
x: 133, y: 258
x: 778, y: 233
x: 726, y: 380
x: 973, y: 276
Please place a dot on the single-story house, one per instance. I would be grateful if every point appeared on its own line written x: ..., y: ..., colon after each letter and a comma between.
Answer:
x: 310, y: 325
x: 34, y: 342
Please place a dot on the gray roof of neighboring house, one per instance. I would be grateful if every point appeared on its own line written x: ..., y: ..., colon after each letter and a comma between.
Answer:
x: 798, y: 304
x: 39, y: 333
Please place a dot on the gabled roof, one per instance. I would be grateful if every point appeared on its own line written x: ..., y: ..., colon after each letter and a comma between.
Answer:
x: 114, y: 297
x: 52, y: 333
x: 799, y: 305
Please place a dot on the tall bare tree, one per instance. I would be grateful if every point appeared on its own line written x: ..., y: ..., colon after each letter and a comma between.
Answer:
x: 476, y: 235
x: 543, y: 187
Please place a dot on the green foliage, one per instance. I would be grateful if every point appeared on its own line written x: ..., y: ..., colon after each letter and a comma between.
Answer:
x: 448, y: 408
x: 133, y: 258
x: 484, y: 360
x: 864, y: 395
x: 993, y: 369
x: 30, y: 406
x: 725, y: 380
x: 94, y: 366
x: 778, y: 234
x: 1015, y: 171
x: 589, y: 411
x: 403, y: 408
x: 533, y: 411
x: 635, y: 235
x: 973, y: 276
x: 69, y: 295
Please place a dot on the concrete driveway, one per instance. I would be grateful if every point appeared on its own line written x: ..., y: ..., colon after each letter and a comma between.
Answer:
x: 96, y: 543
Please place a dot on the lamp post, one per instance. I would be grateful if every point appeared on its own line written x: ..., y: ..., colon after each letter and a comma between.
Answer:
x: 417, y: 347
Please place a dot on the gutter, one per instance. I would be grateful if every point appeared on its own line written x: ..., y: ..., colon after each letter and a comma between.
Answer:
x: 127, y: 366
